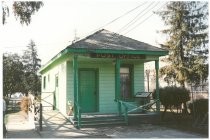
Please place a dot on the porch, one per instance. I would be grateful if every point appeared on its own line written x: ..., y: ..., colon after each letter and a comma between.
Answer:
x: 128, y: 102
x: 142, y: 109
x: 100, y: 120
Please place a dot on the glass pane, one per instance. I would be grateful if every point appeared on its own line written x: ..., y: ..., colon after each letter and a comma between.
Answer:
x: 124, y: 70
x: 56, y: 81
x: 125, y: 83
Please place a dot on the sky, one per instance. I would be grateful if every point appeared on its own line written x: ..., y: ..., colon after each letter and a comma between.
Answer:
x: 57, y: 23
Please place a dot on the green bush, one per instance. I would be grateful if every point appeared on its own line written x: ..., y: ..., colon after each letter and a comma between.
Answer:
x: 200, y: 107
x: 172, y: 96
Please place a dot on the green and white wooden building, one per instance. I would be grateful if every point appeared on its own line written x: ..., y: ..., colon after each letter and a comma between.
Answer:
x: 97, y: 74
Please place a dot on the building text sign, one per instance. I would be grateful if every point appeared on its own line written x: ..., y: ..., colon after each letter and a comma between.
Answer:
x: 121, y: 56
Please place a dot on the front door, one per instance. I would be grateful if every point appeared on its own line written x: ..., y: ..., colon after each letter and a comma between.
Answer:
x: 88, y: 90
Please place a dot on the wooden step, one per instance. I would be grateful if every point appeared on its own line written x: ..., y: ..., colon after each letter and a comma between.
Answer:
x: 99, y: 121
x: 102, y: 124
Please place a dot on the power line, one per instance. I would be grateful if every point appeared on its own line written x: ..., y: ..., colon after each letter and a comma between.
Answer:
x: 117, y: 18
x: 135, y: 19
x: 129, y: 12
x: 141, y: 17
x: 143, y: 21
x: 123, y: 15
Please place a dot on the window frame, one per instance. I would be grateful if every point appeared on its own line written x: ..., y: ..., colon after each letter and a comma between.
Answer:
x: 131, y: 74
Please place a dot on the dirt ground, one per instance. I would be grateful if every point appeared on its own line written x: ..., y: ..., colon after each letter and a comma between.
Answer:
x: 184, y: 123
x: 140, y: 131
x: 55, y: 125
x: 168, y: 128
x: 171, y: 127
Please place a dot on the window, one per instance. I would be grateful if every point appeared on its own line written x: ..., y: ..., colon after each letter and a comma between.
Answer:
x: 48, y: 77
x: 56, y: 81
x: 44, y: 82
x: 126, y: 82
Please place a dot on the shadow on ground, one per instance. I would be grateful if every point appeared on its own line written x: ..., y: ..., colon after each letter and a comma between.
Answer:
x: 55, y: 125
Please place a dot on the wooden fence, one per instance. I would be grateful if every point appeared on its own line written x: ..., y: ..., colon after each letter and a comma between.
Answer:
x: 13, y: 104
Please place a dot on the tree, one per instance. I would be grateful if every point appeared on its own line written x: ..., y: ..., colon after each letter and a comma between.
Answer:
x: 30, y: 58
x: 199, y: 108
x: 20, y: 73
x: 13, y: 74
x: 187, y: 41
x: 31, y: 64
x: 23, y: 10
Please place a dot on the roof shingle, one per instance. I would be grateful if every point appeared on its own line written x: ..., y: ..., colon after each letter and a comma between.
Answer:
x: 104, y: 39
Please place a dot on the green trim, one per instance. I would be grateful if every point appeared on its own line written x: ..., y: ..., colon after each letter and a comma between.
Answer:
x: 87, y: 51
x: 53, y: 62
x: 132, y: 80
x: 97, y: 89
x: 157, y: 85
x: 117, y: 79
x: 117, y: 84
x: 84, y: 50
x: 75, y: 72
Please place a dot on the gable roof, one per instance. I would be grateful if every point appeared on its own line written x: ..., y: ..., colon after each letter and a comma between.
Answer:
x: 106, y: 40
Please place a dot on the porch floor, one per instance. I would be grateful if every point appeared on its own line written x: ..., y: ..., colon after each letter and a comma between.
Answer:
x: 97, y: 119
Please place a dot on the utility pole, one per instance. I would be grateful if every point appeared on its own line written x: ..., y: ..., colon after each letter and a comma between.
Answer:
x: 147, y: 74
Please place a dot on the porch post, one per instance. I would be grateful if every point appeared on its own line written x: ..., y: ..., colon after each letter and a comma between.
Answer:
x: 117, y: 84
x: 157, y: 85
x: 75, y: 72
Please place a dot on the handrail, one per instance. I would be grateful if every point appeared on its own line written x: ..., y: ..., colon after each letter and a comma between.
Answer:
x: 122, y: 103
x: 78, y: 114
x: 125, y: 105
x: 143, y: 107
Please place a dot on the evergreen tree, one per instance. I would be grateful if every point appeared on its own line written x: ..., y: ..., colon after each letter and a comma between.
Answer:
x: 187, y: 41
x: 31, y: 64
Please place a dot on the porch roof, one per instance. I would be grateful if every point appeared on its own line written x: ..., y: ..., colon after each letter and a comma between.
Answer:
x: 104, y: 41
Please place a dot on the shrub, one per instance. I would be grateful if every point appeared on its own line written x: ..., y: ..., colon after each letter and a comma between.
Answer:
x: 172, y: 96
x: 200, y: 107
